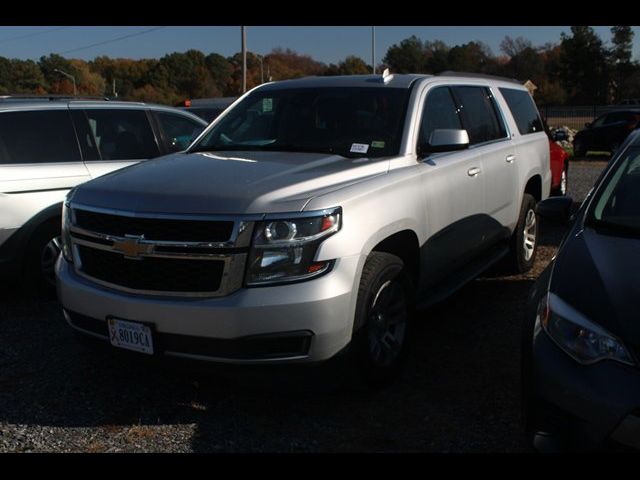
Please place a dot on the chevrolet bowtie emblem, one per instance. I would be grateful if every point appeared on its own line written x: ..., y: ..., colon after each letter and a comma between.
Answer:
x: 131, y: 247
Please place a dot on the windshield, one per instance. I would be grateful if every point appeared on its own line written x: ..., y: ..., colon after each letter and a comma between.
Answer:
x: 617, y: 206
x: 345, y: 121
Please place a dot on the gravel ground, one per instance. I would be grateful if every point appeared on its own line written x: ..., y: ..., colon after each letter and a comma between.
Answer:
x: 460, y: 391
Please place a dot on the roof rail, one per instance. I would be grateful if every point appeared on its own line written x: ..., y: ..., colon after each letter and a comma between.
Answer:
x: 51, y: 97
x: 450, y: 73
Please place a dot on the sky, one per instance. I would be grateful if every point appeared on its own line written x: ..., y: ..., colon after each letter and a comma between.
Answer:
x: 329, y: 44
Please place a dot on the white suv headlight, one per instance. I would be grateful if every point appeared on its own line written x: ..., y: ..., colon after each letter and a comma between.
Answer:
x: 284, y: 249
x: 585, y: 341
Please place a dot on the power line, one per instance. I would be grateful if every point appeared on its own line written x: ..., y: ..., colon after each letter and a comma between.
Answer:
x: 29, y: 35
x: 117, y: 39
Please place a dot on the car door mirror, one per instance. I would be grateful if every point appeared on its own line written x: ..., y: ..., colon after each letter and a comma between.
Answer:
x: 446, y: 140
x: 556, y: 209
x: 588, y: 125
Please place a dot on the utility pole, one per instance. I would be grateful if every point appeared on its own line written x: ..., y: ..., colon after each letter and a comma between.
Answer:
x: 244, y: 59
x: 373, y: 50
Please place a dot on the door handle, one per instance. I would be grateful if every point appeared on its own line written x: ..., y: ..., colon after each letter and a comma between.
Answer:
x: 510, y: 158
x: 473, y: 171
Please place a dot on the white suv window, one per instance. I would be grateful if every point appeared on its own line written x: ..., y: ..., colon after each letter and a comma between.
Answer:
x: 482, y: 122
x: 37, y: 137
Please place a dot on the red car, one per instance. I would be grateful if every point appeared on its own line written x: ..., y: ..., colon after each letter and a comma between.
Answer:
x: 559, y: 160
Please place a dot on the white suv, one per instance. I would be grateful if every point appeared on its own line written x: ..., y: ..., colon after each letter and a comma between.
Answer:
x: 307, y: 221
x: 49, y: 145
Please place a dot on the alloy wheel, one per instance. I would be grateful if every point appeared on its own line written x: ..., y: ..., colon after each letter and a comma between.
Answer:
x: 387, y: 323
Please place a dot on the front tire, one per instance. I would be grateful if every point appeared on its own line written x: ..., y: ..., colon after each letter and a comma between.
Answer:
x: 383, y: 315
x: 41, y: 255
x: 579, y: 149
x: 524, y: 242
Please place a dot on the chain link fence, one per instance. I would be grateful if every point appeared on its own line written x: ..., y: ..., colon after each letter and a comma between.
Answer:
x: 575, y: 117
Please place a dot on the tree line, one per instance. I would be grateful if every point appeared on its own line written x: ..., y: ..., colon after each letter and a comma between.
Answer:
x: 579, y: 69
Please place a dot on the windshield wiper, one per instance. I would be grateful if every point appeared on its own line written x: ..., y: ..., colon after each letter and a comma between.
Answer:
x: 274, y: 147
x: 287, y: 147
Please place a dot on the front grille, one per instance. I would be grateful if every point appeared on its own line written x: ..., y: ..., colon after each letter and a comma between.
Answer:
x: 155, y: 228
x: 152, y: 273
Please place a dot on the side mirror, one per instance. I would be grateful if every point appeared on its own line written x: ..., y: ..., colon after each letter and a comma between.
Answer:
x: 556, y: 209
x: 446, y: 140
x: 588, y: 124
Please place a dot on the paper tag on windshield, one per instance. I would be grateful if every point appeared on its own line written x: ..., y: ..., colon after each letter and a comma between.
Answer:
x: 267, y: 105
x: 359, y: 148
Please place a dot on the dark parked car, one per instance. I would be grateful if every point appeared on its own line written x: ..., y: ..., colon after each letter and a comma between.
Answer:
x: 606, y: 133
x: 581, y: 342
x: 207, y: 108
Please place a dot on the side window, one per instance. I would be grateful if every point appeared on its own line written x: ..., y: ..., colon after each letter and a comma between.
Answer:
x: 439, y: 111
x: 598, y: 122
x: 122, y: 134
x: 480, y: 116
x: 614, y: 118
x: 37, y: 137
x: 179, y: 131
x: 523, y: 109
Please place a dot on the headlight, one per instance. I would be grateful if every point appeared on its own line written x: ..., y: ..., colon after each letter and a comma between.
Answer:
x: 66, y: 236
x: 284, y: 249
x: 585, y: 341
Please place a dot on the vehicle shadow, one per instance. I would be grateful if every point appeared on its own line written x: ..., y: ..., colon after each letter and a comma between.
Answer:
x: 459, y: 392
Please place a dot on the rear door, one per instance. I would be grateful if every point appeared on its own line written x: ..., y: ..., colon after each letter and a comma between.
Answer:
x: 39, y: 162
x: 489, y: 139
x: 113, y: 138
x: 453, y: 189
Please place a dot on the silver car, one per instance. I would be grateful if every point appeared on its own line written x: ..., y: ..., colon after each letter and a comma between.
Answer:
x: 308, y: 220
x: 48, y: 145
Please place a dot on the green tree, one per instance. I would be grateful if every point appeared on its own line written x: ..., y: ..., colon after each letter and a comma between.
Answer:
x: 472, y: 57
x: 353, y: 65
x: 621, y: 65
x: 584, y: 71
x: 407, y: 57
x: 26, y: 77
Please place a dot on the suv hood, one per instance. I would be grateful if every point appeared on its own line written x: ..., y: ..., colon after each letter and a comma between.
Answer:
x: 226, y: 182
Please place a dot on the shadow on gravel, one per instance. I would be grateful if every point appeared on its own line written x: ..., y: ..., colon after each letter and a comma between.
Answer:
x: 460, y: 391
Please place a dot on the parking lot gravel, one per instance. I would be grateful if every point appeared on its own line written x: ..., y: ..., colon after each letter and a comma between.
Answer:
x: 459, y: 393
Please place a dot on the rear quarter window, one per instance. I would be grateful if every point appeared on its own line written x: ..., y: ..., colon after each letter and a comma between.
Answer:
x: 523, y: 109
x: 37, y: 137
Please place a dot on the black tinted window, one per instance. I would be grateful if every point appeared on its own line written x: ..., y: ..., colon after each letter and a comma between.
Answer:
x: 523, y: 109
x: 37, y: 137
x: 440, y: 111
x: 348, y: 121
x: 179, y: 131
x: 481, y: 119
x: 122, y: 134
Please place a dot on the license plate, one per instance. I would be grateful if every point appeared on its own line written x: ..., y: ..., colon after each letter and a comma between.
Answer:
x: 130, y: 335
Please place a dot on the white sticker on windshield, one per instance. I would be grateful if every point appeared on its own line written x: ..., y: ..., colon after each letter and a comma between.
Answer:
x: 267, y: 105
x: 359, y: 148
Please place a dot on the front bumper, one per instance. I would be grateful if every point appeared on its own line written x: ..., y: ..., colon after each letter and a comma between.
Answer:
x: 595, y: 405
x: 322, y: 309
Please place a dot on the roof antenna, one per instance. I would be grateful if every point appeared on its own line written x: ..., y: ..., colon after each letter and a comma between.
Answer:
x: 386, y: 76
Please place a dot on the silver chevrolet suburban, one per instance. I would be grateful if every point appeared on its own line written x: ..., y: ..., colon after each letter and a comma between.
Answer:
x: 308, y: 220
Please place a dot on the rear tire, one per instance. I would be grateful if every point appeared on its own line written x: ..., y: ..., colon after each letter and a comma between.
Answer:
x: 40, y: 259
x: 383, y: 311
x: 524, y: 241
